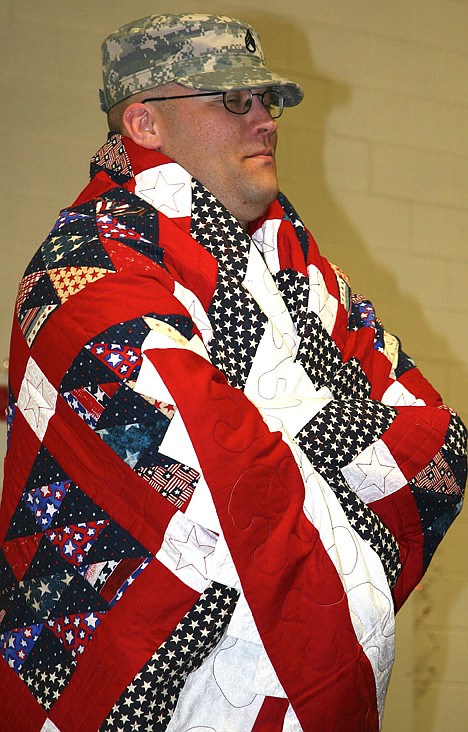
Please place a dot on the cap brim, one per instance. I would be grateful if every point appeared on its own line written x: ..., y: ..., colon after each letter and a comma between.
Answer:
x: 243, y: 77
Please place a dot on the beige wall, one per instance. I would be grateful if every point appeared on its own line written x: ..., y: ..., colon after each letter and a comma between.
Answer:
x: 375, y: 160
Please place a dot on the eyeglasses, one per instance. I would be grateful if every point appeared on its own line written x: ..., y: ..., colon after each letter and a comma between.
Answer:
x: 238, y: 102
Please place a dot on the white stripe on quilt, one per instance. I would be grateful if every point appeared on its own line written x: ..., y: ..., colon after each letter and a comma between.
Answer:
x: 242, y: 624
x: 266, y: 239
x: 358, y: 565
x: 193, y: 305
x: 218, y: 696
x: 277, y: 384
x: 360, y: 570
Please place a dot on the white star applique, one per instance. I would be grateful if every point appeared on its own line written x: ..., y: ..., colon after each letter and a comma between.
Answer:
x: 198, y: 552
x: 37, y: 399
x: 374, y: 473
x: 91, y: 621
x: 167, y: 188
x: 186, y: 549
x: 162, y: 193
x: 114, y: 359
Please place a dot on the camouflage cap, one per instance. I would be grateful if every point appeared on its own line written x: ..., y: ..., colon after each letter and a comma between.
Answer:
x: 207, y: 52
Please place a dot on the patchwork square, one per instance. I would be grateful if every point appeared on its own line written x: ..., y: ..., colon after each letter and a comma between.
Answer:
x: 37, y: 399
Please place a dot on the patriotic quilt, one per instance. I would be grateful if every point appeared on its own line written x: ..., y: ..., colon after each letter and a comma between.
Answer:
x: 223, y: 474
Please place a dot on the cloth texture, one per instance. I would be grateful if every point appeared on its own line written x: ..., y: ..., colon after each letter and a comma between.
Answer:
x: 223, y: 474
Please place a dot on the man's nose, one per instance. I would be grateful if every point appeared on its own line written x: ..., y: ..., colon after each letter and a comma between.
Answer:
x: 261, y: 116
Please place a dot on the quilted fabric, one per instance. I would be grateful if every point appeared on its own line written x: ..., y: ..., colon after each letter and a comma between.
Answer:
x: 223, y: 475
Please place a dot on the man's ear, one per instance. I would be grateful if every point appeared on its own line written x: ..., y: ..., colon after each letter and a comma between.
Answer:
x: 141, y: 127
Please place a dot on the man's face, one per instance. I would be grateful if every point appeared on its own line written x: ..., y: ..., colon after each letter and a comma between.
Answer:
x: 231, y: 155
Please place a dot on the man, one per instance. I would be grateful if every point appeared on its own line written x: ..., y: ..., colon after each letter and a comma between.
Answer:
x: 223, y: 475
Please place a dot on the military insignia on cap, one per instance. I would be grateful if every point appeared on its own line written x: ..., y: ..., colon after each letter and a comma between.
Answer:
x: 250, y: 42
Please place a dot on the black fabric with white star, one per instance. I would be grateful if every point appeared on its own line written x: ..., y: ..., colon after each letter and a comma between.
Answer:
x: 238, y: 321
x: 75, y: 242
x: 369, y: 527
x: 455, y: 438
x: 148, y: 703
x: 47, y: 669
x: 334, y: 437
x: 342, y: 430
x: 318, y: 354
x: 349, y: 381
x: 294, y: 289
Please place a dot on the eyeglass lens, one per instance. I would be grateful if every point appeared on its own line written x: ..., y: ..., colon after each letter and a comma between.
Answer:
x: 239, y: 102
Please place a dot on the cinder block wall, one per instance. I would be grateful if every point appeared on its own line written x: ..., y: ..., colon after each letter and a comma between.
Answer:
x: 375, y: 160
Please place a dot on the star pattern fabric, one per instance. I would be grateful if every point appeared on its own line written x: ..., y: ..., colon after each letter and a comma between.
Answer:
x: 47, y: 686
x: 239, y: 322
x: 74, y: 573
x: 342, y: 430
x: 319, y: 356
x: 148, y: 702
x: 174, y: 481
x: 362, y: 315
x: 210, y: 482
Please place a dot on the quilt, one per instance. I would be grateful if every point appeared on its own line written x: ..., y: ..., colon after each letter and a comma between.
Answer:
x: 223, y: 475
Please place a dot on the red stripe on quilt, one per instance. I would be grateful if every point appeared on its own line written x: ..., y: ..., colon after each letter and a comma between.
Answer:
x: 23, y: 712
x: 137, y: 625
x: 290, y: 583
x: 271, y: 715
x: 123, y: 494
x: 415, y: 436
x: 418, y: 385
x: 399, y: 513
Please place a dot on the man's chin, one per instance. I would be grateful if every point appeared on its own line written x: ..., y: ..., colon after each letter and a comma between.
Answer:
x: 262, y: 201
